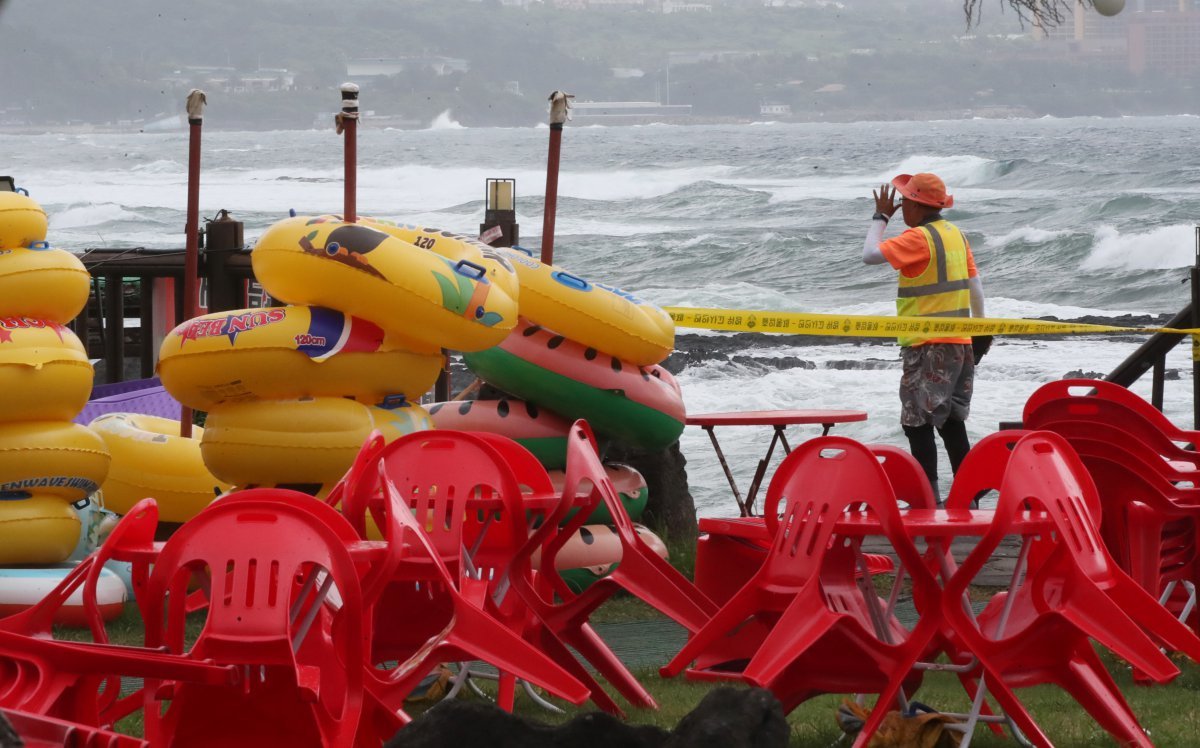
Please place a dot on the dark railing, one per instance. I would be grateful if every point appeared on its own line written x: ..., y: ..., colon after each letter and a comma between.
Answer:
x: 123, y: 286
x: 1153, y: 353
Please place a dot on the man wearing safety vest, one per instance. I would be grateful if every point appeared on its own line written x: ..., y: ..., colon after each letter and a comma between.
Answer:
x: 937, y: 278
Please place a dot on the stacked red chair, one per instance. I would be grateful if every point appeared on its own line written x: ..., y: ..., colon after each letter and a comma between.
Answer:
x: 451, y: 504
x: 822, y: 637
x: 1043, y: 632
x: 269, y: 558
x: 1147, y: 482
x: 560, y: 615
x: 78, y: 683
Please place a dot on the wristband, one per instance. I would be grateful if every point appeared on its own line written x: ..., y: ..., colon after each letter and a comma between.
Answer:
x: 879, y: 217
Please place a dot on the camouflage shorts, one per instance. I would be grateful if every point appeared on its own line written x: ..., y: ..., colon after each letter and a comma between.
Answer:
x: 936, y: 384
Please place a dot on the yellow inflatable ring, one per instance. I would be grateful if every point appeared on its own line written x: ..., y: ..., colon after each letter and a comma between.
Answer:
x: 45, y: 374
x: 597, y: 316
x: 36, y: 529
x: 22, y: 221
x: 64, y: 460
x: 289, y: 352
x: 150, y: 458
x: 43, y: 283
x: 455, y: 247
x: 400, y: 420
x: 429, y: 301
x: 273, y: 442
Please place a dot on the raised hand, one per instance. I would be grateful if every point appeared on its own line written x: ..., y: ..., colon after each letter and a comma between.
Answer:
x: 885, y: 200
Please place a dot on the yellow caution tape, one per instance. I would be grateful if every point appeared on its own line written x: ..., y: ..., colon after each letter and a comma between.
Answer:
x: 871, y: 326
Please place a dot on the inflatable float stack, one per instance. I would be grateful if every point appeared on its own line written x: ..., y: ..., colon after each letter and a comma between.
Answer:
x: 292, y: 392
x: 47, y: 463
x: 587, y: 350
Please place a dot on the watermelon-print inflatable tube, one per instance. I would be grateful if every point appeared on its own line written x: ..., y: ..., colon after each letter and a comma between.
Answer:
x: 638, y: 405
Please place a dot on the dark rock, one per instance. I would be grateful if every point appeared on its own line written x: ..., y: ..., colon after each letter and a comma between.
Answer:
x: 466, y: 724
x: 1081, y: 374
x: 670, y: 509
x: 725, y: 718
x: 869, y: 364
x: 733, y: 718
x: 779, y: 363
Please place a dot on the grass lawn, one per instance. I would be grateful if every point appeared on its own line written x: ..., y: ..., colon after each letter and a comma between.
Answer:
x: 1170, y: 713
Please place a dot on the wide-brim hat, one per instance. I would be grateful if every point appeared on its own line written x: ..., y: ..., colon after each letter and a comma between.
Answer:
x: 924, y: 188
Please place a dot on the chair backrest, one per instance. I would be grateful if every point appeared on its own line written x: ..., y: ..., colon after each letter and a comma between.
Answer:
x: 983, y: 468
x: 531, y: 475
x: 438, y: 473
x: 1093, y: 389
x: 1045, y: 473
x: 254, y: 547
x: 909, y: 483
x: 354, y: 491
x: 820, y: 480
x: 1158, y: 433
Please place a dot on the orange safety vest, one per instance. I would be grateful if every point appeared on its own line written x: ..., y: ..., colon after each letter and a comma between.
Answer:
x: 942, y: 289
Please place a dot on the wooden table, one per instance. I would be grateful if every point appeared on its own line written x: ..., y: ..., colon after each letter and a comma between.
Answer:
x: 779, y: 420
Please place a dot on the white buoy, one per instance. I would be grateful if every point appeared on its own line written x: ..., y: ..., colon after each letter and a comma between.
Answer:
x: 1108, y: 7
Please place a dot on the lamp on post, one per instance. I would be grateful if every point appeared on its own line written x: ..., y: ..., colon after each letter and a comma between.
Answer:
x: 499, y: 227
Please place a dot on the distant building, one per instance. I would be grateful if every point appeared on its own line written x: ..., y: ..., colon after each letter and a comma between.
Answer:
x: 1167, y: 43
x: 382, y: 67
x: 229, y: 80
x: 682, y: 6
x: 1149, y: 36
x: 775, y: 109
x: 626, y: 112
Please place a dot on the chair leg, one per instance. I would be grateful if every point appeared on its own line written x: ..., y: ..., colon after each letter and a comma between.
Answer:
x: 1015, y: 710
x: 740, y: 607
x: 557, y: 651
x: 1086, y: 679
x: 593, y: 649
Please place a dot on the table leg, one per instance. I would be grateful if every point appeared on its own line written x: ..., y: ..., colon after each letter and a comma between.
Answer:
x: 737, y: 496
x: 761, y: 472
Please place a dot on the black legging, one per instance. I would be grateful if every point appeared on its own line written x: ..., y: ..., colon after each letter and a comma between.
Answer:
x: 922, y: 445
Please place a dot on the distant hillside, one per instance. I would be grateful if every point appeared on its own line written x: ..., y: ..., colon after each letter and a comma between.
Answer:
x: 131, y: 61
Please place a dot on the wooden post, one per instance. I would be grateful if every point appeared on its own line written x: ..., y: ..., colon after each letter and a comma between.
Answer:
x: 1195, y: 277
x: 347, y: 125
x: 560, y: 104
x: 195, y: 111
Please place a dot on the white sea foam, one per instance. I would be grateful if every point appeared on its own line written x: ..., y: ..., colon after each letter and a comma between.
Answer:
x: 1027, y: 234
x: 95, y: 214
x: 955, y: 171
x: 445, y: 121
x: 1158, y: 249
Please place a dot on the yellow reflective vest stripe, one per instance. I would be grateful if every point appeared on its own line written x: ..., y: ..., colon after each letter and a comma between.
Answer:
x: 942, y: 289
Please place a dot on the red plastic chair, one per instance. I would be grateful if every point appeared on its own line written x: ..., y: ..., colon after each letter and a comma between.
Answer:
x: 258, y: 550
x: 1043, y: 632
x: 471, y: 633
x: 40, y: 731
x: 1157, y: 433
x: 59, y: 679
x: 982, y: 470
x: 824, y: 639
x: 909, y: 483
x: 1098, y: 389
x: 561, y: 614
x: 1150, y: 520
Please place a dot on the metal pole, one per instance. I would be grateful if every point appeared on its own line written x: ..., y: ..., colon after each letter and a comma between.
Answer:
x: 1195, y: 276
x: 347, y: 124
x: 560, y: 104
x: 195, y: 111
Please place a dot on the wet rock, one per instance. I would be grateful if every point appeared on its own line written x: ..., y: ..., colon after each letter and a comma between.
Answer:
x: 670, y: 509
